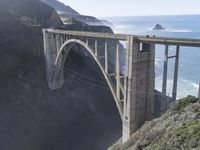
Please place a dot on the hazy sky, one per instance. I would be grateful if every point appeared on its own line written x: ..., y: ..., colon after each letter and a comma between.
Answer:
x: 102, y: 8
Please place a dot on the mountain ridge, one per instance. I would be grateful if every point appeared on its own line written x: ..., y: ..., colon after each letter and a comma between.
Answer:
x: 60, y: 7
x: 66, y: 12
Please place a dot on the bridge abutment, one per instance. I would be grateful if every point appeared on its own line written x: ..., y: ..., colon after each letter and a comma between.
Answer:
x: 139, y: 101
x: 54, y: 75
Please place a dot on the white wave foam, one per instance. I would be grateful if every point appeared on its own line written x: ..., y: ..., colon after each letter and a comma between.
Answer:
x: 185, y: 87
x: 120, y: 28
x: 157, y: 60
x: 178, y: 30
x: 195, y: 85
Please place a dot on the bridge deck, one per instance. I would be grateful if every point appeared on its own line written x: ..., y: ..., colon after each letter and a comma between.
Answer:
x: 147, y: 39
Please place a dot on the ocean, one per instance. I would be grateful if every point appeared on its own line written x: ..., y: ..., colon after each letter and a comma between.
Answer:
x: 187, y: 26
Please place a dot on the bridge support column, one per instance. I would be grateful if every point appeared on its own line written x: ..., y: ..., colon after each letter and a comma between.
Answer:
x: 139, y: 99
x: 174, y: 92
x: 54, y: 75
x: 164, y: 84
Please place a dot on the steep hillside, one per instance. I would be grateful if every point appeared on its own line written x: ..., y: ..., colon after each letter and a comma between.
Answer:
x: 60, y: 6
x: 34, y: 10
x: 177, y: 129
x: 66, y: 12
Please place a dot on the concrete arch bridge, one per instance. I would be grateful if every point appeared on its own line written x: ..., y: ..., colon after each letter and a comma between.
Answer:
x: 133, y: 88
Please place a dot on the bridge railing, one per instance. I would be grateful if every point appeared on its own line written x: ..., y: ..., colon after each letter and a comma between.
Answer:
x: 146, y: 39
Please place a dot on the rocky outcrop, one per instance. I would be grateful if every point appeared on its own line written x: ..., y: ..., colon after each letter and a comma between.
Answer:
x: 178, y: 128
x: 73, y: 24
x: 54, y: 20
x: 82, y: 18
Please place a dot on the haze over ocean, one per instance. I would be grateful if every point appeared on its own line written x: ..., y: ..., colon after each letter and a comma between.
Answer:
x: 175, y: 26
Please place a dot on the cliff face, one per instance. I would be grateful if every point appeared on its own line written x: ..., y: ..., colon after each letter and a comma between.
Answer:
x: 80, y: 115
x: 178, y: 128
x: 35, y: 10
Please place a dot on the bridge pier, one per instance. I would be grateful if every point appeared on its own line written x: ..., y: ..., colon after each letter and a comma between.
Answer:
x: 55, y: 75
x: 139, y: 99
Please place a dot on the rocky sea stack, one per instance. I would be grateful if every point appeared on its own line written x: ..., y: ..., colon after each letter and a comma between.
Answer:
x: 158, y: 27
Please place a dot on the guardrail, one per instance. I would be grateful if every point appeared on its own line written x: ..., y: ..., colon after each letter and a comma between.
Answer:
x: 146, y: 39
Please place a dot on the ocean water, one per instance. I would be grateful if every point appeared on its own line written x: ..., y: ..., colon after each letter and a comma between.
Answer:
x: 175, y: 26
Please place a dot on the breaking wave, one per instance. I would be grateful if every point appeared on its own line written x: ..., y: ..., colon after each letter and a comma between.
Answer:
x: 157, y: 62
x: 185, y: 87
x: 195, y: 85
x: 178, y: 30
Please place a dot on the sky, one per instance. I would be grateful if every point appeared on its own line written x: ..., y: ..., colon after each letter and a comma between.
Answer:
x: 107, y: 8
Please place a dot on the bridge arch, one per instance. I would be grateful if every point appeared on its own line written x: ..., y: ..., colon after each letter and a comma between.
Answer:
x: 63, y: 53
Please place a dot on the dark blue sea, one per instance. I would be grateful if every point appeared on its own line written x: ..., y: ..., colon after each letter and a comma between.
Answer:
x: 175, y: 26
